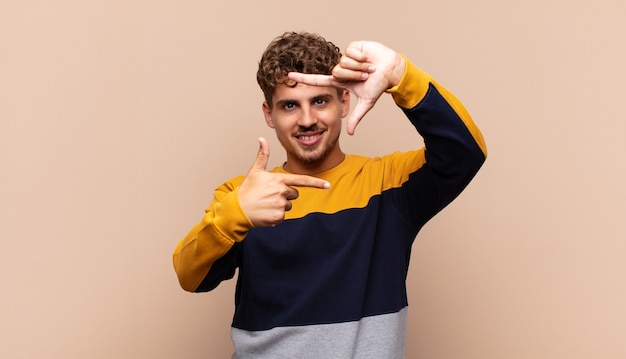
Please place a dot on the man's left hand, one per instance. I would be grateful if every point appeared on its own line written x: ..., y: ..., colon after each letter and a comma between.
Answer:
x: 366, y: 69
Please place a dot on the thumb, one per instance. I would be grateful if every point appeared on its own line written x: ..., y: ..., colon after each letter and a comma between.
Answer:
x: 362, y: 107
x: 262, y: 156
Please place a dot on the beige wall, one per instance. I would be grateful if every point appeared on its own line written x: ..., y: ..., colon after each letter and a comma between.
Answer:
x: 118, y: 118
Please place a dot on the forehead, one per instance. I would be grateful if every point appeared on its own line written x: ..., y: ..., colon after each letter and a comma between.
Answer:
x: 302, y: 92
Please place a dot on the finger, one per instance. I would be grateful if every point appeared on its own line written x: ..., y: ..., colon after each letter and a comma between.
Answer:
x: 312, y: 79
x: 304, y: 181
x: 349, y: 63
x: 343, y: 75
x: 262, y: 156
x: 362, y: 107
x: 291, y: 193
x: 356, y: 50
x: 350, y: 69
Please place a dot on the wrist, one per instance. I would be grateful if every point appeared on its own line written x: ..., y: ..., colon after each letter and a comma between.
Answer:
x: 397, y: 72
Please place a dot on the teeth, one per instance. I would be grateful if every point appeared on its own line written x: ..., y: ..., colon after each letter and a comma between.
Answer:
x: 307, y: 138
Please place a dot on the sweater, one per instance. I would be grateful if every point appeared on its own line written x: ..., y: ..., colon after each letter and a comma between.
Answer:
x: 330, y: 280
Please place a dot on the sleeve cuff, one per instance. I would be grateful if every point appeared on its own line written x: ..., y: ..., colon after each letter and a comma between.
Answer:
x: 412, y: 87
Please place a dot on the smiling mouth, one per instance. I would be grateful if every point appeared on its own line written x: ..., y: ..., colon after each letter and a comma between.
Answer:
x: 309, y: 139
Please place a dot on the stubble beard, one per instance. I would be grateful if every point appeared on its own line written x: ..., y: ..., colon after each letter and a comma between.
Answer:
x: 311, y: 157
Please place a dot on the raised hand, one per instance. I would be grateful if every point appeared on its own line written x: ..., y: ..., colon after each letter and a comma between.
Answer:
x: 366, y: 69
x: 265, y: 196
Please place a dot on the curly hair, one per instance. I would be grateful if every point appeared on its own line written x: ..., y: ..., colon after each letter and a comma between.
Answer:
x: 295, y: 51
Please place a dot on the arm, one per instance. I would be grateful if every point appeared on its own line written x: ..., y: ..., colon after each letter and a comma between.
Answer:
x: 368, y: 69
x: 428, y: 104
x: 455, y: 149
x: 208, y: 254
x: 224, y: 224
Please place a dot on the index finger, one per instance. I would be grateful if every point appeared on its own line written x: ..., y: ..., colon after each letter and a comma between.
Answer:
x: 313, y: 79
x: 304, y: 181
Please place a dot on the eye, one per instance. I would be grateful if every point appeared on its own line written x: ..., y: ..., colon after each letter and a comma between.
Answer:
x: 320, y: 101
x: 289, y: 106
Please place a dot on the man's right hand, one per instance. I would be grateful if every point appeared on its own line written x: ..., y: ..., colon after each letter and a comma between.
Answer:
x: 265, y: 196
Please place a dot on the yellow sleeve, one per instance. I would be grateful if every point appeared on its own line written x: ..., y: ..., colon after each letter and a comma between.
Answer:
x: 223, y: 224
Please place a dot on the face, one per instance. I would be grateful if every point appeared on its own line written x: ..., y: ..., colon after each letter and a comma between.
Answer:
x: 307, y: 121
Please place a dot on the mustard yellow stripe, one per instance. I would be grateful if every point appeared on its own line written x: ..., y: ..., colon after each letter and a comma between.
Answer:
x: 350, y: 189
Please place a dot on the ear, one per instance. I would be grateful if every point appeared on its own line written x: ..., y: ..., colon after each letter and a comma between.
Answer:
x: 345, y: 103
x: 267, y: 112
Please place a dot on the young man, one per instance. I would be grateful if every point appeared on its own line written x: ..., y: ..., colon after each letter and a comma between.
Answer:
x: 323, y: 242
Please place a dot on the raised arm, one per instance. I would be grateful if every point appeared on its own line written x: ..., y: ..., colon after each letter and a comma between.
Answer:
x: 455, y: 148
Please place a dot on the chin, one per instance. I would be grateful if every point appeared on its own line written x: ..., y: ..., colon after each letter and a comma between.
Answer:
x: 312, y: 159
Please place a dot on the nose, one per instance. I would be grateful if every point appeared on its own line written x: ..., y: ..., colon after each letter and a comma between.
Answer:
x: 307, y: 117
